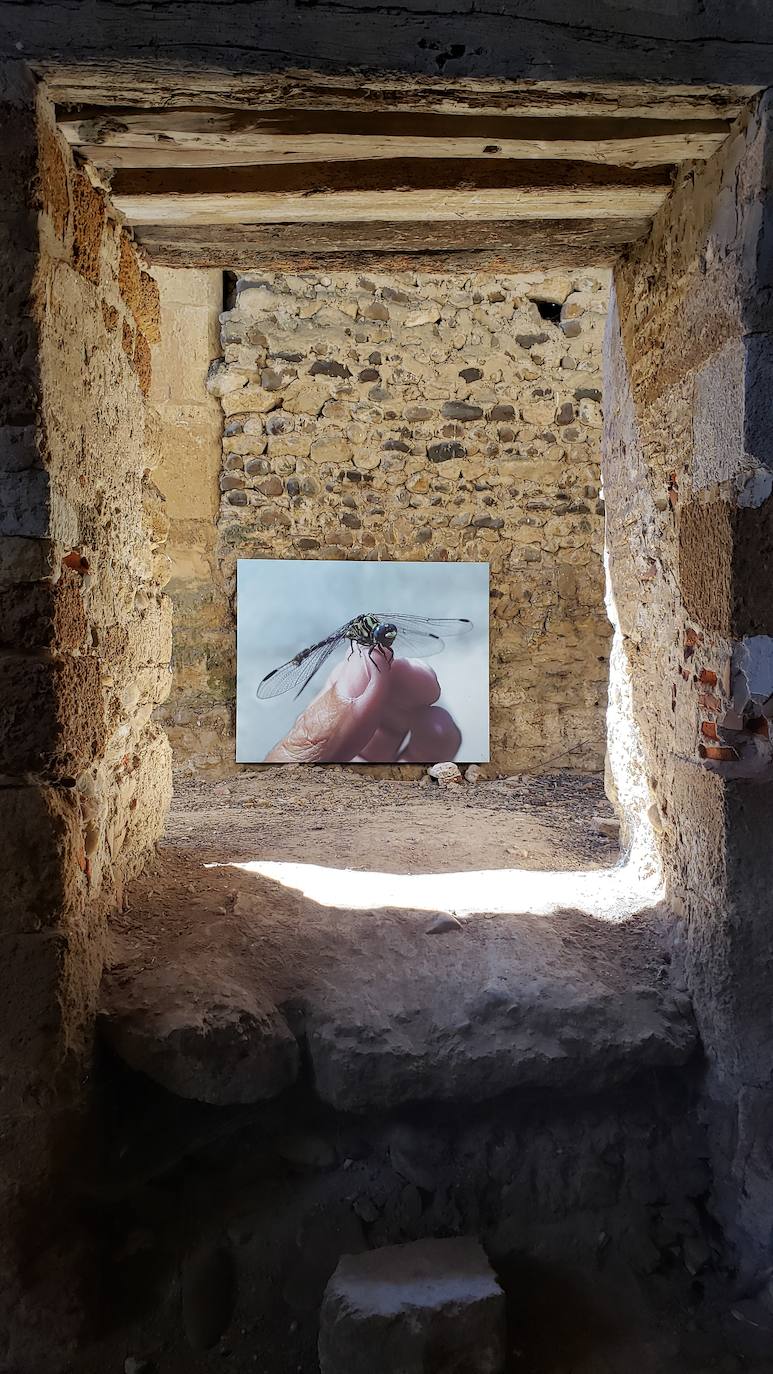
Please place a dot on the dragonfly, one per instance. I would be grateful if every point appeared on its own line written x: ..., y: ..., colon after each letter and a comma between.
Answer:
x: 372, y: 632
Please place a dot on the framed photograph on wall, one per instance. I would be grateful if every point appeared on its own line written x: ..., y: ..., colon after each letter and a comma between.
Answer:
x: 345, y: 662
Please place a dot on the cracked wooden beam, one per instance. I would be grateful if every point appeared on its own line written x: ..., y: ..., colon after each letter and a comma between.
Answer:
x: 156, y: 87
x: 205, y: 137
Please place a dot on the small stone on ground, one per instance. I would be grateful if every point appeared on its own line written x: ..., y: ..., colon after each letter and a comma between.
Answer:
x: 445, y: 773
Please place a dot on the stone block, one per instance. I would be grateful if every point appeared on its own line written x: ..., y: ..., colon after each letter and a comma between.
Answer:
x: 42, y: 614
x: 306, y: 398
x: 40, y: 856
x: 18, y: 448
x: 24, y: 509
x: 251, y: 398
x: 52, y: 721
x: 24, y: 560
x: 32, y: 1011
x: 758, y: 407
x: 405, y: 1309
x: 197, y: 1029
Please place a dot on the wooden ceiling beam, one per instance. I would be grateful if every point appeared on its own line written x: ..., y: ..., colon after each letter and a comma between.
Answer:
x: 418, y: 189
x: 125, y: 83
x: 417, y: 207
x: 204, y: 137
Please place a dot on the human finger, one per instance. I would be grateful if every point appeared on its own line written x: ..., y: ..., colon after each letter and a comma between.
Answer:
x: 338, y: 723
x: 384, y: 746
x: 435, y: 737
x: 413, y: 683
x: 412, y: 686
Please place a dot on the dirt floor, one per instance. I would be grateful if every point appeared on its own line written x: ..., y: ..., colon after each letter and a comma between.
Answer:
x: 350, y: 820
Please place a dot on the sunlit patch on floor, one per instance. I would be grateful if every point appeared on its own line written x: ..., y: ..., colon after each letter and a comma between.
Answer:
x: 611, y: 894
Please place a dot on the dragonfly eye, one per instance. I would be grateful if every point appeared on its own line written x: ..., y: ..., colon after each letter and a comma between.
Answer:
x: 389, y: 633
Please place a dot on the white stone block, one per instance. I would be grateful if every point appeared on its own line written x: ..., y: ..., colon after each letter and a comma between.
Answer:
x: 404, y: 1309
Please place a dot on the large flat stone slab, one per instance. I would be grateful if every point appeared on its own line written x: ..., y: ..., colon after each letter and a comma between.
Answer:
x: 406, y: 1309
x: 393, y: 1006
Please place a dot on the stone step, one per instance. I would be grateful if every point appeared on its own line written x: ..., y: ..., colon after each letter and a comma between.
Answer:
x: 405, y: 1309
x: 396, y: 1006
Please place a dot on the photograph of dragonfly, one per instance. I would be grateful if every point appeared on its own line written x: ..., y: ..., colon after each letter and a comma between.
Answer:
x: 321, y: 677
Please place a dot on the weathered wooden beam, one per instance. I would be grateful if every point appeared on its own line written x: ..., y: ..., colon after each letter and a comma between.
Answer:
x: 153, y: 85
x: 512, y: 246
x: 204, y: 137
x: 405, y: 189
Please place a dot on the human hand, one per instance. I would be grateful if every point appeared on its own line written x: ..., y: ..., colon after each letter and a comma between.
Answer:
x: 364, y: 712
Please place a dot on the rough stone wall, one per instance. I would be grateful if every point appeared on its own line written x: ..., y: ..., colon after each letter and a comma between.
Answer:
x: 84, y: 649
x: 415, y: 417
x: 198, y: 717
x: 688, y: 474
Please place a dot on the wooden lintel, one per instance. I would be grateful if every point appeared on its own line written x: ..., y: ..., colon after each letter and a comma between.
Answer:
x: 245, y: 262
x: 513, y: 246
x: 416, y: 207
x: 265, y: 151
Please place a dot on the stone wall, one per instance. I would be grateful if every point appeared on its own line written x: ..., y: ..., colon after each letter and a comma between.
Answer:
x: 84, y: 650
x: 688, y: 474
x: 198, y: 715
x: 440, y: 418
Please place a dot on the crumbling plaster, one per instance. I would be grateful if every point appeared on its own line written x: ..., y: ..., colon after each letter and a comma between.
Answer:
x: 686, y: 466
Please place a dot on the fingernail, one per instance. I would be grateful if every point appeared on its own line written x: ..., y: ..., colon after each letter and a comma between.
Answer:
x: 353, y: 678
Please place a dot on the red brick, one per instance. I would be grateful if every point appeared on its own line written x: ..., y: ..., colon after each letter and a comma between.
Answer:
x: 709, y: 701
x: 718, y: 753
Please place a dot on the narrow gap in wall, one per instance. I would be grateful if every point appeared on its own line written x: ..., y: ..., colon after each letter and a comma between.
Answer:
x: 549, y: 310
x: 229, y: 289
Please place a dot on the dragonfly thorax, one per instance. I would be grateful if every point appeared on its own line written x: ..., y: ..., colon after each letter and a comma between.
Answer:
x: 369, y: 631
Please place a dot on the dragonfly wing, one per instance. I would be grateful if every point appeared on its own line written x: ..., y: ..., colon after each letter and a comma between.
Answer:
x: 424, y: 625
x: 297, y: 672
x: 418, y: 644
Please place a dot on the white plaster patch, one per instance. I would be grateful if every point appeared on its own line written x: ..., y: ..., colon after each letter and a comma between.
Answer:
x: 719, y: 453
x: 718, y: 420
